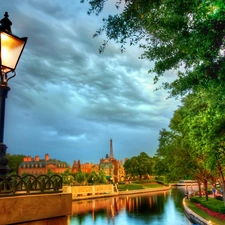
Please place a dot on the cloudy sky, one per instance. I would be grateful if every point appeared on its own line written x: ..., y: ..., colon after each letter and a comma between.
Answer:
x: 67, y: 99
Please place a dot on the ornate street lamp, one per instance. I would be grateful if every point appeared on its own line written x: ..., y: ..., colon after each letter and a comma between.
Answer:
x: 11, y: 48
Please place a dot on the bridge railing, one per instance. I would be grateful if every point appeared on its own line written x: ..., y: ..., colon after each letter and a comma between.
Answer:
x: 30, y: 184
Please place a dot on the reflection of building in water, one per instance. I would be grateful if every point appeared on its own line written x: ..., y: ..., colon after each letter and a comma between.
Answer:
x: 112, y: 167
x: 109, y: 205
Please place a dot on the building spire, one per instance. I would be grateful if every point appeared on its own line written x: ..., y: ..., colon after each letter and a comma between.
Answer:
x: 111, y: 149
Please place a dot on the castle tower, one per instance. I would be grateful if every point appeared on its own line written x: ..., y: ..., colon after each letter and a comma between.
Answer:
x: 46, y: 157
x: 111, y: 149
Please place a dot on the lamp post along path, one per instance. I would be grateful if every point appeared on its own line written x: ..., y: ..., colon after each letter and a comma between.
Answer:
x: 11, y: 48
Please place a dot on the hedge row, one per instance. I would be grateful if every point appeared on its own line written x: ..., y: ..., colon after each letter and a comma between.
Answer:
x: 143, y: 181
x: 212, y: 204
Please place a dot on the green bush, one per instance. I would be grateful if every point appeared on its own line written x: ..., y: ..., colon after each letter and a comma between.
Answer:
x: 212, y: 203
x: 218, y: 197
x: 160, y: 178
x: 144, y: 181
x: 137, y: 182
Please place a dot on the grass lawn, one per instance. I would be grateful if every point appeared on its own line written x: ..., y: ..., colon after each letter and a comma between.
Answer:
x: 152, y: 185
x: 129, y: 187
x: 203, y: 214
x: 134, y: 186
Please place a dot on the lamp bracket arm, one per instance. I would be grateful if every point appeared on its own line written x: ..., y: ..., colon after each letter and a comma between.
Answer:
x: 14, y: 74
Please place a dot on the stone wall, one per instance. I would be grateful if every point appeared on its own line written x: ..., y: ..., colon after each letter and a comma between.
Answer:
x: 25, y: 208
x: 92, y: 190
x: 193, y: 217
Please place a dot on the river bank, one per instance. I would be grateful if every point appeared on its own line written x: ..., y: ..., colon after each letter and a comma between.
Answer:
x: 193, y: 217
x: 193, y: 210
x: 117, y: 193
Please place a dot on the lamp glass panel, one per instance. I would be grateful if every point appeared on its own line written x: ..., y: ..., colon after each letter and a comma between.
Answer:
x: 11, y: 48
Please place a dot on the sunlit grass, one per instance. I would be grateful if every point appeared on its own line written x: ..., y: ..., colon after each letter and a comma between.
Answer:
x: 129, y: 187
x: 154, y: 185
x: 135, y: 186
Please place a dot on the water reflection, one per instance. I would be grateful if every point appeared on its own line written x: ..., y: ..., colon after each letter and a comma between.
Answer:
x: 155, y: 209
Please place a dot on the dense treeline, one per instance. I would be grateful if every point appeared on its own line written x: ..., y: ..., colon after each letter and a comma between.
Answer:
x: 194, y: 144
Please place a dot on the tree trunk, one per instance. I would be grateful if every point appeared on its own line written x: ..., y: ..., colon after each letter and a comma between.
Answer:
x: 222, y: 182
x: 223, y: 192
x: 199, y: 189
x: 140, y: 176
x: 206, y: 190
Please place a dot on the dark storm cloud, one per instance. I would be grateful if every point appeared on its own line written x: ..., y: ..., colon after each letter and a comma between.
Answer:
x: 67, y: 99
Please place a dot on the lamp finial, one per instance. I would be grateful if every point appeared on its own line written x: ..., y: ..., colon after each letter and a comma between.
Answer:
x: 6, y: 23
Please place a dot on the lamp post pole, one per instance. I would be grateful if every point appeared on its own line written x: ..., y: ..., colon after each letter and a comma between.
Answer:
x: 4, y: 168
x: 11, y: 48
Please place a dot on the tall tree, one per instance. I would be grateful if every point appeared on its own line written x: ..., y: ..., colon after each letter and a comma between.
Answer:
x: 199, y: 122
x: 80, y: 177
x: 140, y: 165
x: 14, y: 162
x: 187, y: 34
x: 204, y: 125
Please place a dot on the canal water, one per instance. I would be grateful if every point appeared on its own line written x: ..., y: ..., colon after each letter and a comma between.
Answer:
x: 164, y: 208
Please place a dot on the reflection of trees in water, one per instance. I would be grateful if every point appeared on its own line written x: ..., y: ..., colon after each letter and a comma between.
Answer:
x: 80, y: 219
x: 179, y: 193
x: 154, y: 207
x: 147, y: 205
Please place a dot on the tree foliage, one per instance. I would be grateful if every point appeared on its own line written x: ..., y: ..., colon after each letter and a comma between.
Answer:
x: 97, y: 178
x: 196, y: 137
x: 14, y: 161
x: 182, y: 35
x: 102, y: 177
x: 80, y: 177
x: 67, y: 178
x: 140, y: 165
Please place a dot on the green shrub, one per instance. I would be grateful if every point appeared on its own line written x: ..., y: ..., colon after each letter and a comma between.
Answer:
x: 160, y: 178
x: 144, y: 181
x: 218, y: 197
x: 212, y: 203
x: 137, y: 182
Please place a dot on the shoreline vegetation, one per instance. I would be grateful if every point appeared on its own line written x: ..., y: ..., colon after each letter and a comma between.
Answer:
x: 214, y: 218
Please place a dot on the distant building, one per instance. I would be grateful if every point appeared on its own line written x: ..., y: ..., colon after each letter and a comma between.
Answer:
x: 113, y: 168
x: 86, y: 167
x: 38, y: 166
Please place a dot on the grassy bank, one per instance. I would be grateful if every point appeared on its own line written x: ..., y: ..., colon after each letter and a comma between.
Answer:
x: 202, y: 213
x: 138, y: 186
